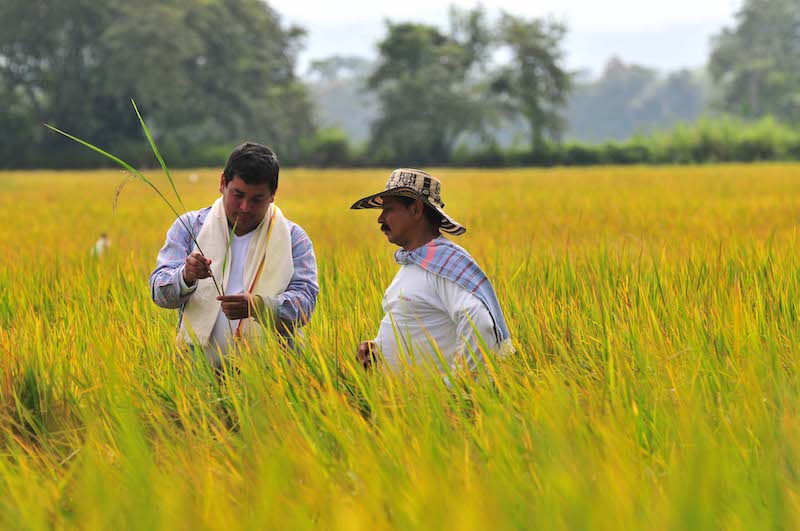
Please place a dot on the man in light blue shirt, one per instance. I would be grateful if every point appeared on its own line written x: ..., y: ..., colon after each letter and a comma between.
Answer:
x: 270, y: 273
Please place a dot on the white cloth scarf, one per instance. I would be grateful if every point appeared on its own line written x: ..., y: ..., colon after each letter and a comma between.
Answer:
x: 275, y: 247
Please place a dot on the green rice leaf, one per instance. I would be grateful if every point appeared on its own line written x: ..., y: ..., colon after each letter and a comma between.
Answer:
x: 158, y: 154
x: 102, y: 152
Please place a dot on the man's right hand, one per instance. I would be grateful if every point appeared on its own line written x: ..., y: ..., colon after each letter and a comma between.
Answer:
x: 197, y: 268
x: 366, y: 354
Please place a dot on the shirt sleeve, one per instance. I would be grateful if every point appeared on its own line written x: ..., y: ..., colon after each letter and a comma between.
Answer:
x: 167, y: 288
x: 474, y: 323
x: 293, y: 307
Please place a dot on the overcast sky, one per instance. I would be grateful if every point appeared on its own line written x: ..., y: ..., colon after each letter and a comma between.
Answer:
x: 665, y: 34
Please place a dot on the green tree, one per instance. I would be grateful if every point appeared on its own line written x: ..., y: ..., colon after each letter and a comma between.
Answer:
x: 627, y: 99
x: 757, y: 62
x: 205, y: 72
x: 535, y: 83
x: 51, y: 62
x: 427, y: 94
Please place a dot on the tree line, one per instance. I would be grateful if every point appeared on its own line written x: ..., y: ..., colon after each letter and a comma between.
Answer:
x: 210, y: 73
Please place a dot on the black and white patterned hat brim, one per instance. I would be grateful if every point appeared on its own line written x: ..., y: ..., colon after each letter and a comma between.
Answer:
x: 449, y: 225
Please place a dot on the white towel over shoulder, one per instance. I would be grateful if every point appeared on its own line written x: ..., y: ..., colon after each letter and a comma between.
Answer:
x: 273, y: 246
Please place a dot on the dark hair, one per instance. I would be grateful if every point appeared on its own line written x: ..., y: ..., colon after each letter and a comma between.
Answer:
x: 254, y: 164
x: 433, y: 217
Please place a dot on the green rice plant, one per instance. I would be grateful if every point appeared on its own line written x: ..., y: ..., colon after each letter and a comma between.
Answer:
x: 656, y: 382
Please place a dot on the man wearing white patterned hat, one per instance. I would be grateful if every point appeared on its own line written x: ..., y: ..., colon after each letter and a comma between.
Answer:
x: 440, y: 305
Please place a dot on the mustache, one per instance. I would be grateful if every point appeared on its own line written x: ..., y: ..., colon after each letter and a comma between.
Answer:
x: 384, y: 226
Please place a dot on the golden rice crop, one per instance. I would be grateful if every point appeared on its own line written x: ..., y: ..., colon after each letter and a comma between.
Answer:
x: 654, y: 310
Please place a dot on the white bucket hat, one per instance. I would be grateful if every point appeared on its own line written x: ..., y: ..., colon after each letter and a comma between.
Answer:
x: 416, y: 184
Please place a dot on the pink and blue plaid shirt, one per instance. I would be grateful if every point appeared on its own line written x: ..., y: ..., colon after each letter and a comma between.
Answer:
x: 292, y: 308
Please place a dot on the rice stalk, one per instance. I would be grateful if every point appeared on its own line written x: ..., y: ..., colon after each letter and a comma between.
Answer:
x: 118, y: 190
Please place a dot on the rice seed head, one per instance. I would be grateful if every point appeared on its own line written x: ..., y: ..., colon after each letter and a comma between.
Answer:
x: 118, y: 190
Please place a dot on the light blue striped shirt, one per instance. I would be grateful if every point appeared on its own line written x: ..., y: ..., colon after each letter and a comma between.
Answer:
x: 292, y: 309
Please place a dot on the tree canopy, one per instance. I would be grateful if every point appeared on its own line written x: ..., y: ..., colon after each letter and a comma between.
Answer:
x: 426, y: 95
x: 756, y: 63
x: 535, y: 83
x: 437, y: 87
x: 205, y: 72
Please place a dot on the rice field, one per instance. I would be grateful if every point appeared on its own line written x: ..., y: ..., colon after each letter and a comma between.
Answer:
x: 654, y: 310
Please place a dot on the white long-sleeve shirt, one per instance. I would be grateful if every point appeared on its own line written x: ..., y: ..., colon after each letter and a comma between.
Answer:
x: 423, y: 310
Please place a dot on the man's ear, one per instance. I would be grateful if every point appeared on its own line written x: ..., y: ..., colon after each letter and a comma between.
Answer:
x: 222, y: 182
x: 419, y: 208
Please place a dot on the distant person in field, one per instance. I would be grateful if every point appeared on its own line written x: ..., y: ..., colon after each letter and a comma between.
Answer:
x: 101, y: 245
x: 270, y: 279
x: 439, y: 300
